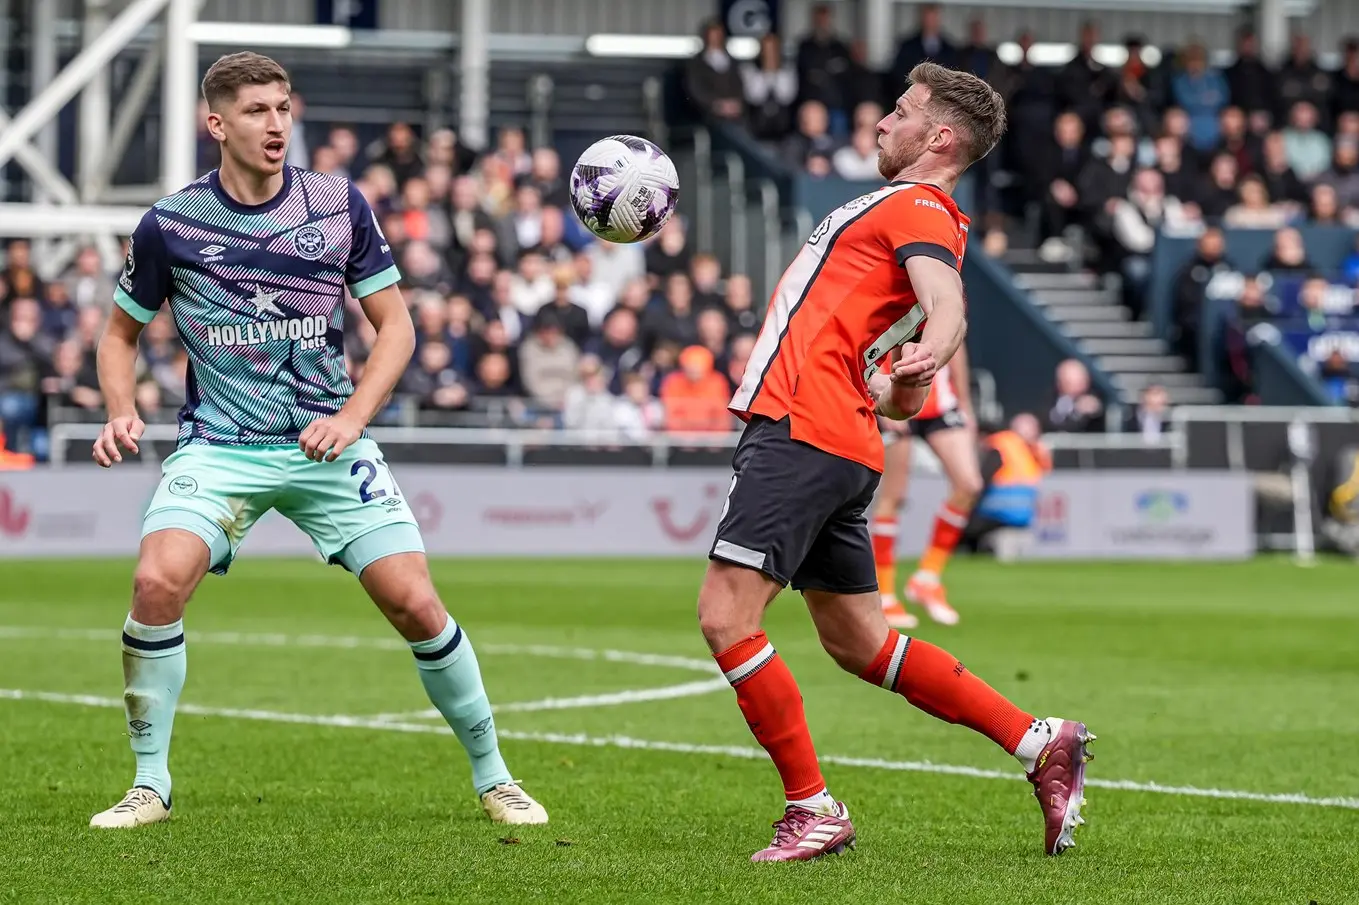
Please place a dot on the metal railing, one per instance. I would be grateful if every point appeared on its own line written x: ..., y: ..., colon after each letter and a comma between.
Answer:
x: 740, y: 231
x: 703, y: 194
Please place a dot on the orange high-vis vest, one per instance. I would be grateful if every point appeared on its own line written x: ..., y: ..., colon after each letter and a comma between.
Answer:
x: 13, y: 461
x: 1011, y: 497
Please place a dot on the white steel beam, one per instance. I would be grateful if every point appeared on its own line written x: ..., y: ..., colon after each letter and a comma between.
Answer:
x: 43, y: 66
x: 474, y: 63
x: 93, y: 134
x: 45, y: 106
x: 131, y: 107
x: 48, y: 180
x: 65, y: 220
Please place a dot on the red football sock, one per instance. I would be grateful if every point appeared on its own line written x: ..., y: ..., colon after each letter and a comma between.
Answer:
x: 772, y: 705
x: 949, y: 525
x: 932, y: 679
x: 884, y: 531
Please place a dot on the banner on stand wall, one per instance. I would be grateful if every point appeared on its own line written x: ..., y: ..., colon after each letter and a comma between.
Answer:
x: 643, y: 512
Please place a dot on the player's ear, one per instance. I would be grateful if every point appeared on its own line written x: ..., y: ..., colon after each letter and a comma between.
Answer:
x: 214, y: 123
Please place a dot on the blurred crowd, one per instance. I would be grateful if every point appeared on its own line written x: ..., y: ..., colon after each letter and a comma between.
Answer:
x: 523, y: 318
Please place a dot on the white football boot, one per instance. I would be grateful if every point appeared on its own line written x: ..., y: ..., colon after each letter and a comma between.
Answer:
x: 139, y: 807
x: 507, y: 803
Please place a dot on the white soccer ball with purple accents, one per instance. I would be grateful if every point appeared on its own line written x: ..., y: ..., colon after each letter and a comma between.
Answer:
x: 624, y: 188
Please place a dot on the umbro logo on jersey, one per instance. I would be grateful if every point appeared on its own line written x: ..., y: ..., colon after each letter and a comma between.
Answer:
x: 212, y: 253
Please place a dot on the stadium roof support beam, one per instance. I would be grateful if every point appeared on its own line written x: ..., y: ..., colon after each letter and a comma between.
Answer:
x: 62, y: 220
x: 131, y: 106
x: 1271, y: 23
x: 878, y: 31
x: 474, y: 64
x: 43, y: 108
x: 47, y: 178
x: 42, y: 69
x: 94, y: 106
x: 179, y: 97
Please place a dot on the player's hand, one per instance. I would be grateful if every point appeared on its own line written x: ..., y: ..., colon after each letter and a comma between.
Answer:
x: 326, y: 438
x: 123, y: 432
x: 916, y: 367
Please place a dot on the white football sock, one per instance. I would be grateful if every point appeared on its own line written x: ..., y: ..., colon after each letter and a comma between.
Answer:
x: 821, y: 803
x: 1034, y: 741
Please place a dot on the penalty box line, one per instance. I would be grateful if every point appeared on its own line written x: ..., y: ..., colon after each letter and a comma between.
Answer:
x: 733, y: 751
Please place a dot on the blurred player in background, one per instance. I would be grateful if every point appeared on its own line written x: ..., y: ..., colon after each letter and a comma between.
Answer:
x: 1013, y: 464
x: 879, y: 273
x: 948, y: 424
x: 254, y: 259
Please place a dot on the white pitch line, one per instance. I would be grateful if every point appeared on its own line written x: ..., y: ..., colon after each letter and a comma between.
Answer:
x: 736, y: 751
x: 344, y: 642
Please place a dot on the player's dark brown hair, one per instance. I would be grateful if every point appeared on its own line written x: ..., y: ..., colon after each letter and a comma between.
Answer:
x: 234, y: 71
x: 967, y: 103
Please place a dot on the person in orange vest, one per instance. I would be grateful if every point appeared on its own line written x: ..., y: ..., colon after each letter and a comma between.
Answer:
x: 1013, y: 463
x: 12, y: 461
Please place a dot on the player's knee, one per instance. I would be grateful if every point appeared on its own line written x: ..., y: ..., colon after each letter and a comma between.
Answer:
x: 726, y: 611
x: 419, y: 613
x: 968, y: 490
x: 158, y: 595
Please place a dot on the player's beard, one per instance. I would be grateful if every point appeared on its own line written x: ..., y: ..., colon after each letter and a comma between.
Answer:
x: 891, y: 163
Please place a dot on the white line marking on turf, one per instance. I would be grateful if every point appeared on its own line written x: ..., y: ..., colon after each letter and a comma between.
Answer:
x: 737, y: 751
x: 343, y: 642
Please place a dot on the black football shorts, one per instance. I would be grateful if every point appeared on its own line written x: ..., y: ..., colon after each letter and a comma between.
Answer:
x: 950, y: 420
x: 797, y: 513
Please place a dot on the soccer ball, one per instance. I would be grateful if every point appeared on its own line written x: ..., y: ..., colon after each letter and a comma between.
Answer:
x: 624, y: 188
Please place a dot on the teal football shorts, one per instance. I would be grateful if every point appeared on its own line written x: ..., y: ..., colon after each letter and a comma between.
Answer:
x: 351, y: 508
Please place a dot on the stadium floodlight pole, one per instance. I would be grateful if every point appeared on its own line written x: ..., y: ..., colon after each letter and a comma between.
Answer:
x: 48, y: 103
x: 474, y: 71
x: 179, y: 96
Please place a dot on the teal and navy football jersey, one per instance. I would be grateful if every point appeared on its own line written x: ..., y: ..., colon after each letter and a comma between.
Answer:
x: 257, y: 292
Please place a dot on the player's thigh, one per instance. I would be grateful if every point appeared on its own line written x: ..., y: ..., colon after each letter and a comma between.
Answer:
x: 216, y: 494
x: 851, y: 627
x: 401, y: 587
x: 956, y: 448
x: 896, y: 469
x: 781, y: 495
x: 352, y: 508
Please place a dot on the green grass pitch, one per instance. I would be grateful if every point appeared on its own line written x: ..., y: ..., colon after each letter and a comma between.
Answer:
x: 305, y: 770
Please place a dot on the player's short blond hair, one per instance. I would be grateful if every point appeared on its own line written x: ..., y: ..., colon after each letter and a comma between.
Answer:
x: 967, y: 103
x: 236, y: 70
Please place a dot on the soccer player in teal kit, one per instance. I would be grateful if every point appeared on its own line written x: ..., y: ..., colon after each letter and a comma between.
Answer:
x: 254, y: 259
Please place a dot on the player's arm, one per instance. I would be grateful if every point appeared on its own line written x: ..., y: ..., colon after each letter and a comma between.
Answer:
x: 372, y: 277
x: 894, y: 400
x: 939, y: 288
x: 141, y: 290
x: 326, y: 438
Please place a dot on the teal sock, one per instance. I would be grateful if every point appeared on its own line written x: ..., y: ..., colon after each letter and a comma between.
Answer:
x: 154, y: 665
x: 452, y: 679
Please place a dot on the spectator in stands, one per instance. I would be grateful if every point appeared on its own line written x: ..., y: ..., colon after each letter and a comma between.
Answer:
x: 742, y: 346
x: 445, y: 150
x: 86, y: 282
x: 928, y: 43
x: 1220, y: 192
x: 1084, y: 84
x: 589, y: 406
x: 595, y: 296
x: 712, y: 329
x: 696, y: 396
x: 70, y: 380
x: 345, y: 144
x: 1053, y: 173
x: 1031, y: 106
x: 616, y: 264
x: 1301, y: 81
x: 1254, y: 210
x: 740, y: 305
x: 1281, y: 183
x: 824, y: 68
x: 1076, y: 408
x: 1306, y: 147
x: 863, y: 84
x: 618, y: 346
x: 548, y: 363
x: 978, y: 56
x: 1338, y: 381
x: 812, y: 136
x: 10, y: 460
x: 1150, y: 417
x: 465, y: 218
x: 668, y: 253
x: 573, y: 319
x: 523, y: 228
x: 1235, y: 139
x: 1099, y: 187
x: 433, y: 381
x: 1190, y: 292
x: 1250, y: 82
x: 711, y: 78
x: 705, y: 275
x: 400, y: 154
x: 545, y: 175
x: 423, y: 221
x: 1180, y: 179
x: 1324, y: 208
x: 1136, y: 221
x: 18, y: 278
x: 770, y: 85
x: 423, y: 268
x: 1345, y: 82
x: 58, y: 312
x: 1202, y: 93
x: 639, y: 413
x: 1132, y: 89
x: 1343, y: 175
x: 299, y: 148
x: 859, y: 159
x: 532, y: 286
x: 1349, y: 268
x: 24, y: 354
x: 511, y: 149
x: 676, y: 319
x: 462, y: 322
x: 1288, y: 255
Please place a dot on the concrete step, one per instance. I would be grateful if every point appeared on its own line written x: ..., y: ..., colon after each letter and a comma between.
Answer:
x: 1147, y: 364
x: 1072, y: 313
x: 1140, y: 345
x: 1037, y: 282
x: 1133, y: 381
x: 1083, y: 330
x: 1193, y: 396
x: 1060, y: 297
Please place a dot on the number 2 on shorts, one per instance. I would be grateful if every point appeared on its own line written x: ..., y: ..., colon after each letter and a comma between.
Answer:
x: 366, y: 495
